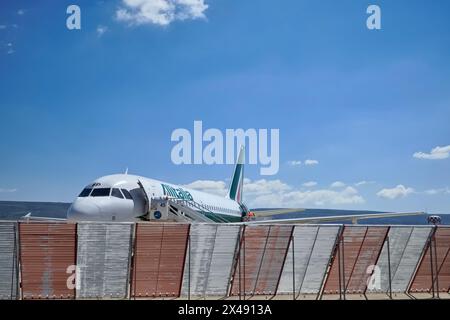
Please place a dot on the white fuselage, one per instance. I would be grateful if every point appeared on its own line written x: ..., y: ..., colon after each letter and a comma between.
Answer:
x: 120, y: 197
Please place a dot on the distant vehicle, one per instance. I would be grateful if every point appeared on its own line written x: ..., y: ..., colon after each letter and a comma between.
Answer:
x: 436, y: 220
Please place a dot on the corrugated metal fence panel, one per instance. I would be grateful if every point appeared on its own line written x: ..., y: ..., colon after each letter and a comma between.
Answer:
x: 320, y: 258
x: 304, y: 238
x: 444, y: 271
x: 274, y: 256
x: 359, y: 248
x: 47, y: 250
x: 409, y: 259
x: 198, y: 258
x: 313, y: 246
x: 103, y: 258
x: 8, y: 260
x: 262, y: 253
x: 368, y: 256
x: 250, y: 254
x: 225, y: 245
x: 350, y: 243
x: 398, y: 238
x: 159, y: 258
x: 436, y: 263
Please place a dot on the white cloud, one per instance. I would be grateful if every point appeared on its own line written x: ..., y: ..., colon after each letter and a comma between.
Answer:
x: 2, y: 190
x: 337, y: 184
x: 275, y: 193
x: 210, y: 186
x: 437, y: 153
x: 364, y: 182
x: 298, y: 198
x: 309, y: 162
x: 432, y: 191
x: 160, y: 12
x: 437, y: 191
x: 263, y: 186
x: 396, y: 192
x: 258, y: 187
x: 2, y: 26
x: 101, y: 30
x: 310, y: 184
x: 20, y: 12
x: 10, y: 51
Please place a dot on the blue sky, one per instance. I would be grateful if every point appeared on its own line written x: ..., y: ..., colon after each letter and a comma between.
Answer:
x: 79, y: 104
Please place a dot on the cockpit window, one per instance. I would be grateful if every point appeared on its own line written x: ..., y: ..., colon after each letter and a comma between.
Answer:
x: 85, y: 192
x: 127, y: 194
x: 100, y: 192
x: 116, y: 193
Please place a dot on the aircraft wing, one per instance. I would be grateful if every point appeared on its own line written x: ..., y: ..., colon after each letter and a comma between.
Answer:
x: 354, y: 218
x: 28, y: 217
x: 274, y: 212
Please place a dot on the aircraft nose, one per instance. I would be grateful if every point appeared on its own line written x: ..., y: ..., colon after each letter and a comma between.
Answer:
x: 83, y: 209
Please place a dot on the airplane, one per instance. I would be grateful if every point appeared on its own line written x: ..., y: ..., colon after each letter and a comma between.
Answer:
x: 130, y: 198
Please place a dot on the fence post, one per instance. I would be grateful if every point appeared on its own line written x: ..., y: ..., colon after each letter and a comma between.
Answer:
x: 339, y: 266
x: 240, y: 269
x: 238, y: 262
x: 389, y: 267
x: 437, y: 269
x: 189, y: 267
x: 343, y: 266
x: 436, y: 265
x: 244, y: 263
x: 430, y: 246
x: 293, y: 266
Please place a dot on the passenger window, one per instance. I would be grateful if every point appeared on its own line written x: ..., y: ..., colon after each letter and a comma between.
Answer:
x: 85, y: 192
x: 100, y: 192
x: 116, y: 193
x: 127, y: 194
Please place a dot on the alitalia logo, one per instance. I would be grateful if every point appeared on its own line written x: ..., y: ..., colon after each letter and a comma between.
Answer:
x: 176, y: 193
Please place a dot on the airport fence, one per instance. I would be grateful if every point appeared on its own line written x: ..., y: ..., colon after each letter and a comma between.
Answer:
x: 111, y: 260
